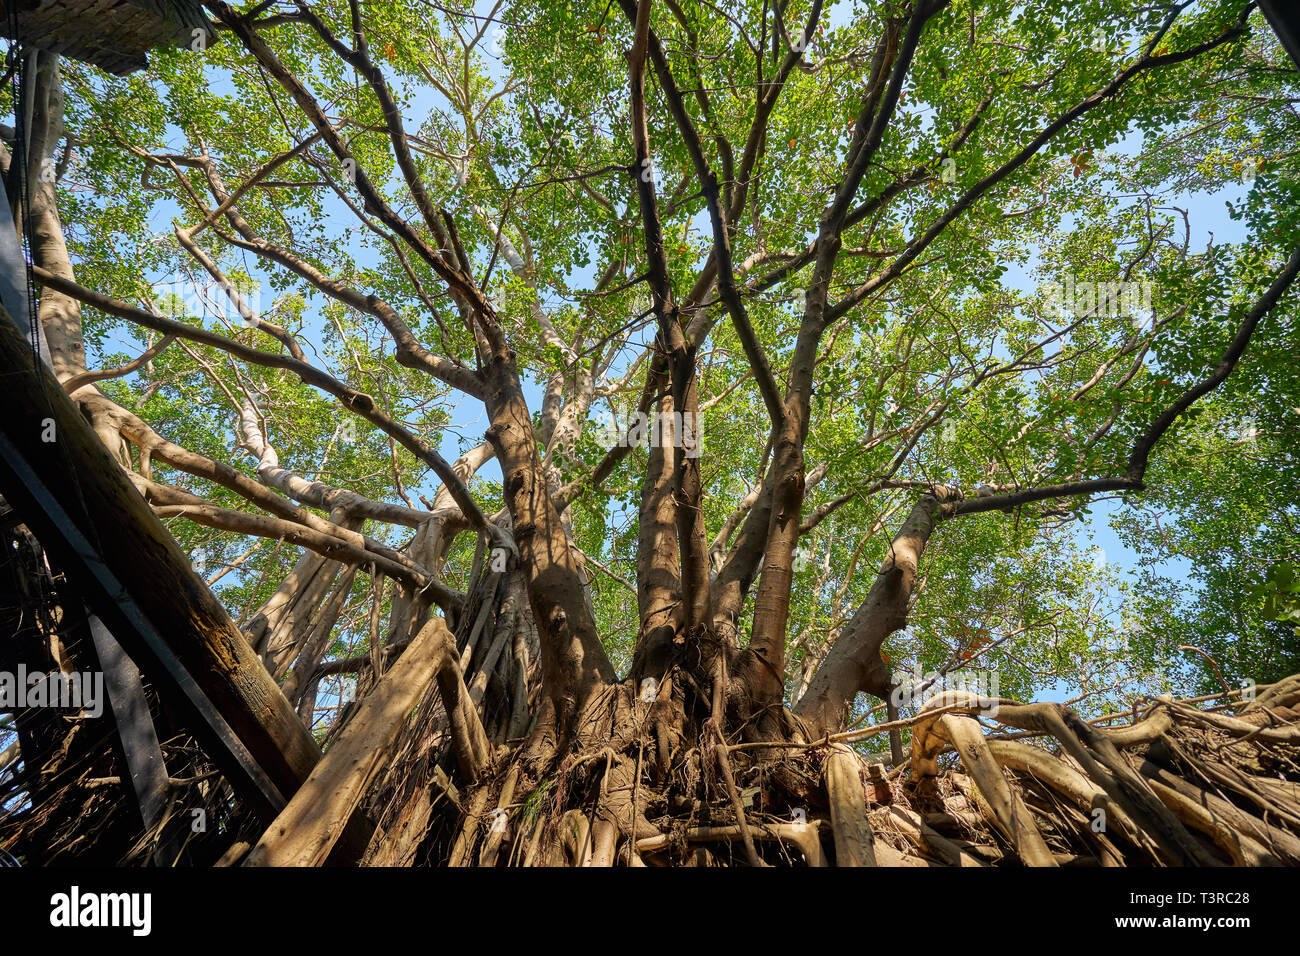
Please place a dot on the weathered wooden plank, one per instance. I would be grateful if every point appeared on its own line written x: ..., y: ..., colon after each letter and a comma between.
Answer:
x: 318, y: 814
x: 140, y: 749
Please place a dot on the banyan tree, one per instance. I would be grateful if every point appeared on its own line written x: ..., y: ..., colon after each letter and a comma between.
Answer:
x: 655, y: 433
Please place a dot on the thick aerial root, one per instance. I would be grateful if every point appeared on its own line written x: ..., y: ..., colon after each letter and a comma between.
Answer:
x: 1284, y: 846
x: 804, y: 837
x: 1243, y: 850
x: 1008, y: 809
x: 1127, y: 788
x: 1075, y: 787
x: 1181, y: 786
x: 1285, y: 693
x: 854, y: 843
x: 498, y: 826
x: 576, y: 838
x: 468, y: 739
x: 307, y: 829
x: 930, y: 842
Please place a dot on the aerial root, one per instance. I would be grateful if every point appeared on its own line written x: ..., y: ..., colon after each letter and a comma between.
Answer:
x: 1177, y: 785
x: 1008, y: 808
x: 854, y: 842
x: 803, y: 837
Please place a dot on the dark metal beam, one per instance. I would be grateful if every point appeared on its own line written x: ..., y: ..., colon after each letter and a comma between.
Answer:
x: 1284, y: 17
x: 141, y: 754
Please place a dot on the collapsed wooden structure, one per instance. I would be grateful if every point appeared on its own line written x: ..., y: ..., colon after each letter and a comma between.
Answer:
x: 130, y: 588
x: 115, y: 35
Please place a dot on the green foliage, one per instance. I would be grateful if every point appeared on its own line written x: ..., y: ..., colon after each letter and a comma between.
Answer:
x: 1281, y: 593
x: 963, y: 370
